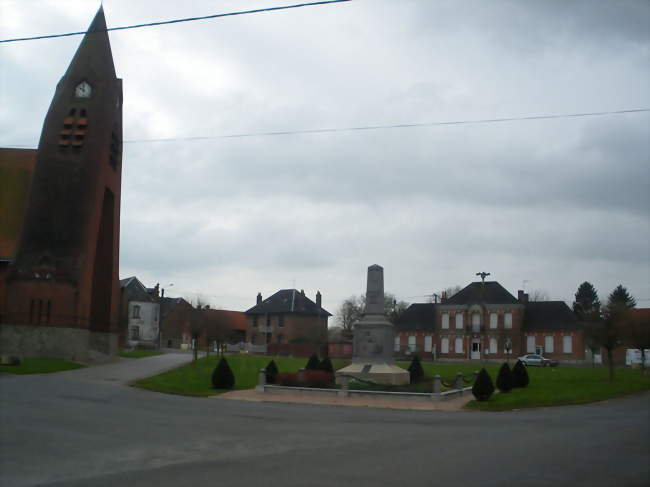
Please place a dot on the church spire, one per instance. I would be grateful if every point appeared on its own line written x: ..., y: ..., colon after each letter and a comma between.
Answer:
x: 94, y: 54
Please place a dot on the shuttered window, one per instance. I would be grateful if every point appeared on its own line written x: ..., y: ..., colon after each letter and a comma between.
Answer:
x: 493, y: 320
x: 493, y: 345
x: 445, y: 320
x: 530, y: 344
x: 427, y: 343
x: 507, y: 320
x: 567, y: 344
x: 458, y: 346
x: 459, y: 321
x: 444, y: 345
x: 548, y: 344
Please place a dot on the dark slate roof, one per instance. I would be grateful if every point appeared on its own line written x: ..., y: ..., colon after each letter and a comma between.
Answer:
x: 168, y: 304
x: 133, y: 290
x: 287, y: 301
x: 549, y: 315
x: 491, y: 293
x: 418, y: 316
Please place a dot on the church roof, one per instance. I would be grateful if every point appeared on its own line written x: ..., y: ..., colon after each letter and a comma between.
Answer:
x: 490, y: 292
x: 288, y: 301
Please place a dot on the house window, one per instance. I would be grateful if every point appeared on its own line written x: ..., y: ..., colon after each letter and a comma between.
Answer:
x: 507, y: 320
x: 507, y: 346
x: 136, y: 312
x: 530, y: 344
x: 444, y: 345
x: 135, y: 333
x: 445, y: 321
x: 493, y: 345
x: 280, y: 320
x: 459, y: 321
x: 493, y: 320
x: 567, y: 344
x: 412, y: 343
x: 476, y: 322
x: 397, y: 343
x: 458, y: 346
x: 548, y: 344
x: 539, y: 350
x: 280, y: 338
x: 427, y: 343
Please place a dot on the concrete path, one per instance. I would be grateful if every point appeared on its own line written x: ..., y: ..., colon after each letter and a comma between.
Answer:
x: 455, y: 404
x: 125, y: 370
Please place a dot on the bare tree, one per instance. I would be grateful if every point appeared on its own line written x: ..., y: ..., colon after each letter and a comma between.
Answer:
x: 450, y: 291
x: 216, y: 330
x: 636, y: 334
x: 197, y: 326
x: 352, y: 309
x: 538, y: 295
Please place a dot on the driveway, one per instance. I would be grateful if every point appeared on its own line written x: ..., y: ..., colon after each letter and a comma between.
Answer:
x: 83, y: 428
x: 125, y: 370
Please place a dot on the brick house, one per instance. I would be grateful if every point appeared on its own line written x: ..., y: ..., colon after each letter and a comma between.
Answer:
x: 483, y: 321
x: 175, y: 316
x: 287, y: 318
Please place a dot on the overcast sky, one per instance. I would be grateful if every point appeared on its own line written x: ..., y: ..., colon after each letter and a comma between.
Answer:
x: 550, y: 202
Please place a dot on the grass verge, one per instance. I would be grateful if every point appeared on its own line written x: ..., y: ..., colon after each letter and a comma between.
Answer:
x: 559, y: 386
x: 139, y: 353
x: 195, y: 379
x: 39, y: 366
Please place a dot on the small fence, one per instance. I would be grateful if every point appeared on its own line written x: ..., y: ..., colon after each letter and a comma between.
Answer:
x: 242, y: 347
x: 456, y: 388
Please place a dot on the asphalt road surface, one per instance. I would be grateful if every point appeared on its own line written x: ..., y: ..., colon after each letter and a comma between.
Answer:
x: 87, y: 428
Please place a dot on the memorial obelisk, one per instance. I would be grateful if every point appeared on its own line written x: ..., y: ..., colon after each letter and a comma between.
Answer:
x: 374, y: 338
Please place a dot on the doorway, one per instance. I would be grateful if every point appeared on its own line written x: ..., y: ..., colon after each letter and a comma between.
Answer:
x: 476, y: 349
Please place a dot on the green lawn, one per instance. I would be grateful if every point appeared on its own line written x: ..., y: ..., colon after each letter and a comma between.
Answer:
x: 39, y: 366
x: 556, y: 386
x: 195, y: 379
x: 551, y: 386
x: 139, y: 353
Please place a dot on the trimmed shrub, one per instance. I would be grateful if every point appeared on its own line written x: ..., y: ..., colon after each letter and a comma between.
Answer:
x: 222, y: 377
x: 504, y: 379
x: 415, y: 369
x: 483, y: 386
x: 313, y: 363
x: 271, y: 372
x: 326, y: 365
x: 287, y: 379
x: 519, y: 375
x: 317, y: 378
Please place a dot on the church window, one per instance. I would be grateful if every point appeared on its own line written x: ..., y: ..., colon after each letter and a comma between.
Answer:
x: 73, y: 126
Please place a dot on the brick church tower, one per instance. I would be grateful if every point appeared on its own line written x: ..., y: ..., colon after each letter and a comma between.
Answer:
x: 62, y: 287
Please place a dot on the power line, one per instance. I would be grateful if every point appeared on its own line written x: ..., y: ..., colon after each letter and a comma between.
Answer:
x: 377, y: 127
x: 392, y: 126
x: 178, y: 21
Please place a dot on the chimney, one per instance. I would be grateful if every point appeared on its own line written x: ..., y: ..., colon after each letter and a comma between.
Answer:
x: 443, y: 298
x: 302, y: 291
x: 522, y: 297
x: 318, y: 299
x: 156, y: 290
x: 162, y: 293
x: 259, y: 298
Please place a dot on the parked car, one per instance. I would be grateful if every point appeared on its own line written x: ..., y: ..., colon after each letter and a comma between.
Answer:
x: 536, y: 359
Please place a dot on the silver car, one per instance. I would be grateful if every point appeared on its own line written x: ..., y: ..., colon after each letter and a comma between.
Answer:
x: 536, y: 359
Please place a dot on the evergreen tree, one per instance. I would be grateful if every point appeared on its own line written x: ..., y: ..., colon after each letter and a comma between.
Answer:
x: 271, y: 372
x: 222, y: 377
x: 519, y: 375
x: 587, y: 304
x: 621, y: 298
x: 415, y: 369
x: 504, y: 379
x: 313, y: 363
x: 483, y: 386
x: 326, y: 365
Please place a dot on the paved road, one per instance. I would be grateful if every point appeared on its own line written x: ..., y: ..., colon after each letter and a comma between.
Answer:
x: 63, y: 429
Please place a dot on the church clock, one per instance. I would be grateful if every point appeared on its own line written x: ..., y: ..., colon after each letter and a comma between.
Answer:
x: 83, y: 90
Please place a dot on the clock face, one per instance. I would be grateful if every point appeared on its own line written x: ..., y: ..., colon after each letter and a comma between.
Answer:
x: 83, y: 90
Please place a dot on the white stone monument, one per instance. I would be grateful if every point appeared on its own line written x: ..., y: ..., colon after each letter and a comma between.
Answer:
x: 374, y: 339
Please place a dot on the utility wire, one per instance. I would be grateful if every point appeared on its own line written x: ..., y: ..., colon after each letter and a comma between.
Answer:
x: 392, y: 126
x: 178, y: 21
x: 378, y: 127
